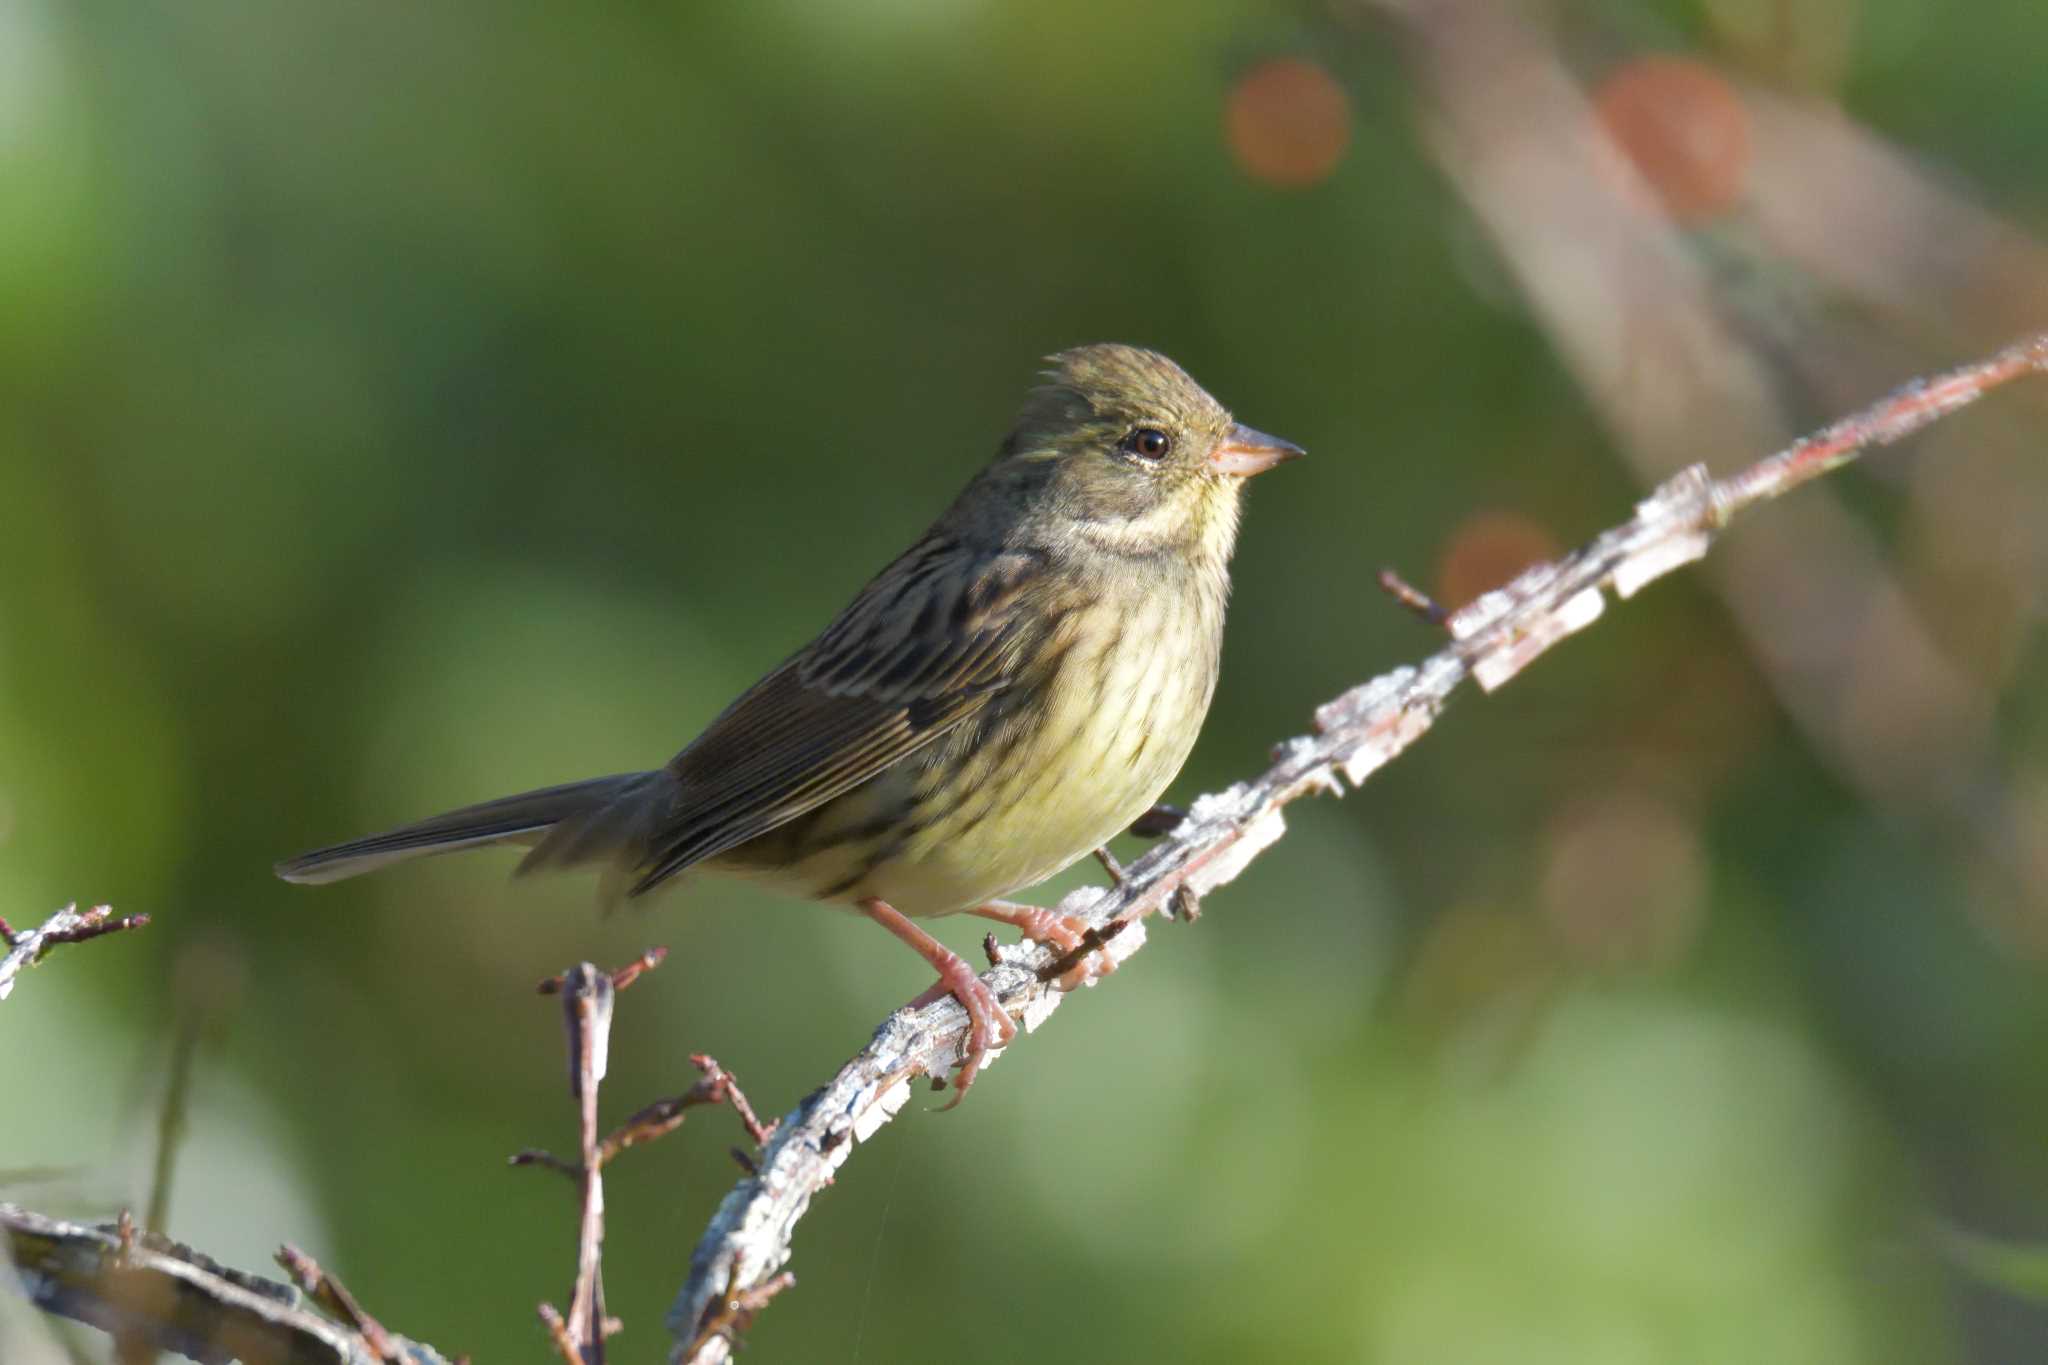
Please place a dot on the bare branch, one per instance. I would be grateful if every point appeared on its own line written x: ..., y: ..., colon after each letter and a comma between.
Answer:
x: 748, y: 1240
x: 587, y: 997
x: 153, y: 1289
x: 719, y: 1086
x: 69, y: 925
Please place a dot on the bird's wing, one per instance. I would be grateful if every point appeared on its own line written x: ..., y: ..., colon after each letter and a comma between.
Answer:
x: 923, y: 648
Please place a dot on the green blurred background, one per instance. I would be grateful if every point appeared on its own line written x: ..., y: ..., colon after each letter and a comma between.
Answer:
x: 401, y: 405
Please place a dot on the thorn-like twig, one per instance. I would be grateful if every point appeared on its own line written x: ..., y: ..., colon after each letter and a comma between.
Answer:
x: 732, y: 1313
x: 332, y: 1295
x: 724, y: 1087
x: 558, y: 1333
x: 1425, y: 607
x: 534, y: 1156
x: 69, y: 925
x: 632, y: 971
x: 620, y: 979
x: 1110, y: 864
x: 658, y: 1119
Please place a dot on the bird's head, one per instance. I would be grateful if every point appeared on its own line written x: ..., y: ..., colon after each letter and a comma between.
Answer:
x: 1121, y: 449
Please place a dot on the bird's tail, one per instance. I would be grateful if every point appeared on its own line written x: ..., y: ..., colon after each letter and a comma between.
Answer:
x: 602, y: 818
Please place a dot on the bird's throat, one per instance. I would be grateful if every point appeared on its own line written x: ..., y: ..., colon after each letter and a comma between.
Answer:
x: 1198, y: 527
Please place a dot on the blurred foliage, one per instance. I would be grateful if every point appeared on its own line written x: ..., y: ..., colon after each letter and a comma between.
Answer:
x: 401, y: 405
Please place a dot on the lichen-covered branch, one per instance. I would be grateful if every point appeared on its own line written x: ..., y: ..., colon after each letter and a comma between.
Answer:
x: 749, y: 1239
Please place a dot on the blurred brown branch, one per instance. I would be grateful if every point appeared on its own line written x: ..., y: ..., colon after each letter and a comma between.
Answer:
x: 69, y: 925
x: 1699, y: 250
x: 138, y: 1286
x: 749, y: 1238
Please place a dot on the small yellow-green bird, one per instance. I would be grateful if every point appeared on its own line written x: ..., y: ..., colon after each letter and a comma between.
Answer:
x: 1015, y: 689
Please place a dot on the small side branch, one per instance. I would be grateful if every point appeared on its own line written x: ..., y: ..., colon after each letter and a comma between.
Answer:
x: 69, y: 925
x: 587, y: 998
x: 331, y: 1294
x: 749, y: 1238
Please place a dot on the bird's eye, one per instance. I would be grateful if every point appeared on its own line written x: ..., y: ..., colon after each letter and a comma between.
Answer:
x: 1148, y: 443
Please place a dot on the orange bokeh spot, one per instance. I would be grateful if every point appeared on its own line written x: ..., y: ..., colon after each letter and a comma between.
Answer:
x: 1684, y: 127
x: 1487, y: 550
x: 1287, y: 122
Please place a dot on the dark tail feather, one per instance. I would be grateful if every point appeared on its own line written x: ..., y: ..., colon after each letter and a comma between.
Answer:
x: 579, y: 822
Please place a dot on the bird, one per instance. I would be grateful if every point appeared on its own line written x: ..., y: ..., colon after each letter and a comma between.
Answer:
x: 1011, y: 692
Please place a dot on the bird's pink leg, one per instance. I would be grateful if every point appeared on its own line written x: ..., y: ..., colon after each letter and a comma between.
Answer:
x: 985, y: 1013
x: 1064, y: 932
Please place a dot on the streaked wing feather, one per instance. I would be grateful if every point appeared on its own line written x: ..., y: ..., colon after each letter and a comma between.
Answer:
x: 920, y: 651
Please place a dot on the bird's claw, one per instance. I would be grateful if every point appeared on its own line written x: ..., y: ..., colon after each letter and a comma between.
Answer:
x: 985, y: 1016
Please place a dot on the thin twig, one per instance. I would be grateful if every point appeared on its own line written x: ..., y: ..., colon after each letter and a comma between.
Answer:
x: 1415, y: 599
x: 661, y: 1117
x: 69, y: 925
x: 622, y: 978
x: 729, y: 1317
x: 330, y: 1293
x: 534, y: 1156
x: 724, y: 1088
x: 1495, y: 637
x: 558, y: 1334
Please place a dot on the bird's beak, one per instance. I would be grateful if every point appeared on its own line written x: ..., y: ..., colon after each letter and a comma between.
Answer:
x: 1246, y: 452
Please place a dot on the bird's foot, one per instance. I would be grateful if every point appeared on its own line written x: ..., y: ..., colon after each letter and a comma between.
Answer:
x: 989, y: 1026
x: 1070, y: 934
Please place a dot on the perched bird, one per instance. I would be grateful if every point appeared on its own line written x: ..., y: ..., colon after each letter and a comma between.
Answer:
x: 1015, y: 689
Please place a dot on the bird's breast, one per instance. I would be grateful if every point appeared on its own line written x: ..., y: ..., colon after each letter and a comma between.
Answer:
x: 1084, y: 742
